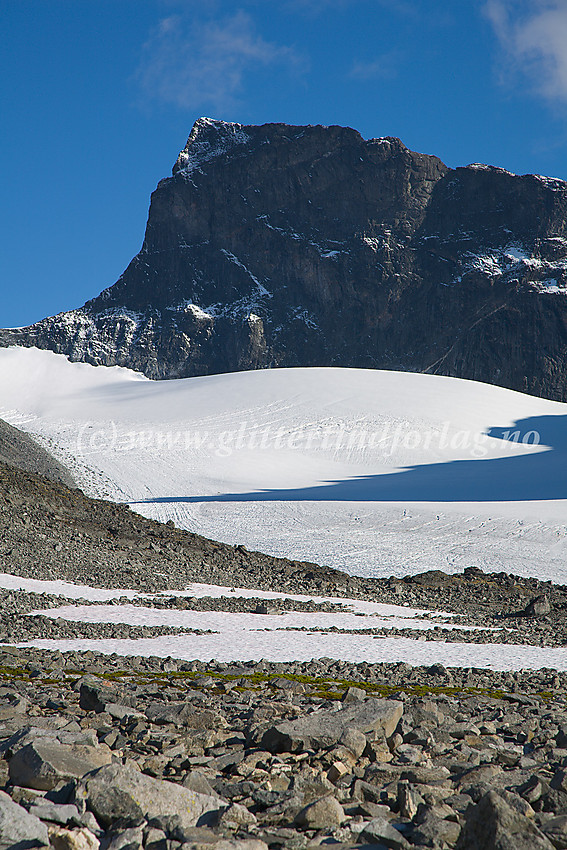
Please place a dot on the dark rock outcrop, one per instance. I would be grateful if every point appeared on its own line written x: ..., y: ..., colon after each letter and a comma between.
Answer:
x: 277, y: 245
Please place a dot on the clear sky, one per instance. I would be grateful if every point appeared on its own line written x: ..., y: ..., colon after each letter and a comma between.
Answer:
x: 98, y: 97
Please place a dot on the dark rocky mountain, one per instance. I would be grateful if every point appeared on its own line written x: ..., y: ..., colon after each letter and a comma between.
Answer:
x: 277, y: 245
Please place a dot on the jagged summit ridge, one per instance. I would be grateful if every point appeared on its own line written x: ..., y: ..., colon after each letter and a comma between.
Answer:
x: 211, y: 138
x: 279, y: 245
x: 552, y: 182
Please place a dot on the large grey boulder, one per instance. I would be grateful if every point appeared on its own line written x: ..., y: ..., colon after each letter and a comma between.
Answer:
x: 31, y: 734
x: 46, y: 762
x: 432, y: 830
x: 165, y: 713
x: 184, y: 714
x: 495, y: 825
x: 61, y: 813
x: 323, y: 813
x: 121, y: 792
x: 18, y: 828
x: 324, y: 729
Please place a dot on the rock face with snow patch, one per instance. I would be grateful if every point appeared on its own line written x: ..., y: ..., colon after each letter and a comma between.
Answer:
x: 277, y: 245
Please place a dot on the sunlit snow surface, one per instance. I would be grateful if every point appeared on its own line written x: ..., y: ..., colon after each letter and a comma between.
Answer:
x: 373, y: 472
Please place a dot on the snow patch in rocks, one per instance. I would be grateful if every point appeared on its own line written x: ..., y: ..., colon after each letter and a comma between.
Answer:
x: 198, y: 590
x: 62, y: 588
x: 304, y: 646
x: 229, y: 622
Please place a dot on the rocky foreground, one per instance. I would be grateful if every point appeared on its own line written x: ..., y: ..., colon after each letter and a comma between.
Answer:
x: 112, y: 753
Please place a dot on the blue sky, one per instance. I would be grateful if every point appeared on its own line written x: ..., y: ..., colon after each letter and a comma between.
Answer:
x: 98, y: 97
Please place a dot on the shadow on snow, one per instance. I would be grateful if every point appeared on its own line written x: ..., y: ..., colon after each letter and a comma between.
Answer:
x: 534, y: 476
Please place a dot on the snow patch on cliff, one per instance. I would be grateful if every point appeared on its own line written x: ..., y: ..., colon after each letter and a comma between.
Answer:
x: 551, y: 286
x: 515, y: 259
x: 553, y: 183
x: 194, y: 309
x: 233, y: 259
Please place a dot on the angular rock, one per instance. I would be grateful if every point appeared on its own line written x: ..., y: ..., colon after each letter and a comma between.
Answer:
x: 237, y: 815
x: 538, y: 607
x: 409, y: 800
x: 156, y: 839
x: 556, y: 830
x: 336, y: 771
x: 120, y: 792
x: 119, y: 711
x: 559, y: 780
x: 310, y: 787
x: 354, y: 741
x: 192, y: 836
x: 198, y: 782
x: 380, y: 831
x: 165, y: 713
x: 17, y: 827
x: 531, y: 790
x: 203, y: 719
x: 354, y: 695
x: 55, y: 812
x: 427, y: 775
x: 324, y: 729
x: 125, y: 839
x: 433, y: 830
x: 379, y: 752
x: 66, y: 735
x: 518, y: 803
x: 72, y: 839
x: 495, y: 825
x: 95, y: 693
x: 366, y: 791
x: 44, y: 764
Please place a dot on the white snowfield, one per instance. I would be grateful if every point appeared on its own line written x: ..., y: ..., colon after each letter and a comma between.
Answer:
x: 373, y: 472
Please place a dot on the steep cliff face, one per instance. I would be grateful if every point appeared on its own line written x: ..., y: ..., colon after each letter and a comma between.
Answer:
x: 277, y: 245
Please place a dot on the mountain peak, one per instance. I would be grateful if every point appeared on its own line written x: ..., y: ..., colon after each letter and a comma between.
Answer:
x: 209, y: 139
x: 308, y: 245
